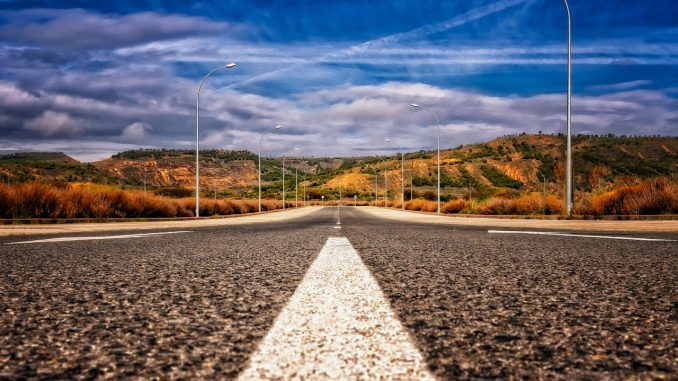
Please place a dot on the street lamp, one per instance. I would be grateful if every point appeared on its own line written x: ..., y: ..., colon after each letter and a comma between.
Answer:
x: 402, y: 176
x: 544, y: 177
x: 569, y: 189
x: 385, y: 187
x: 438, y: 124
x: 197, y: 137
x: 260, y: 139
x: 283, y: 180
x: 376, y: 184
x: 304, y: 188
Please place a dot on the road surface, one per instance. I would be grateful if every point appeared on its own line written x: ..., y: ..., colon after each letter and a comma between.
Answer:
x: 308, y: 298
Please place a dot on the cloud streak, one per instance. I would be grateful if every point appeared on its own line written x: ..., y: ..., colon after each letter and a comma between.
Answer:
x: 393, y: 38
x: 78, y: 29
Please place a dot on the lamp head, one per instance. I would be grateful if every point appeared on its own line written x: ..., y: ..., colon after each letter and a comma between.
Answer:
x: 278, y: 127
x: 387, y: 140
x: 414, y: 105
x: 230, y: 65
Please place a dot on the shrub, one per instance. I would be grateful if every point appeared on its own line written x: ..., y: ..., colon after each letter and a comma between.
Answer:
x: 422, y: 205
x: 655, y: 196
x: 454, y: 206
x: 533, y: 203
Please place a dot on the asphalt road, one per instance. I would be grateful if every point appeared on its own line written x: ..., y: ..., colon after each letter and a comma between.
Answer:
x: 476, y: 305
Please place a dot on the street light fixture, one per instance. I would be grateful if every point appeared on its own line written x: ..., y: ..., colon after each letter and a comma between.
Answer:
x: 402, y: 176
x: 438, y: 124
x: 305, y: 189
x: 197, y: 137
x: 260, y: 140
x: 569, y: 188
x: 283, y: 179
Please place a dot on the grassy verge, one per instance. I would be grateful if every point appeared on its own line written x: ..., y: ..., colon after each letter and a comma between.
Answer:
x: 37, y: 200
x: 650, y: 197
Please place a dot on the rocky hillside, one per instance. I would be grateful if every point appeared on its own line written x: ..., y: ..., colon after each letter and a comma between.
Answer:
x: 508, y: 164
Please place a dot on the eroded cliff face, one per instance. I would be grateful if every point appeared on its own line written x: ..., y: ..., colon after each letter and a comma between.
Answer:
x: 181, y: 173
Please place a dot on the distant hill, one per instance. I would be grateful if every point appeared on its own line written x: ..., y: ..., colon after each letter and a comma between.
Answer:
x: 48, y: 167
x: 510, y: 164
x: 37, y: 156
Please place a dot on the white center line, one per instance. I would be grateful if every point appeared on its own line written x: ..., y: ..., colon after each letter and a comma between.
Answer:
x: 101, y: 237
x: 337, y: 325
x: 579, y: 235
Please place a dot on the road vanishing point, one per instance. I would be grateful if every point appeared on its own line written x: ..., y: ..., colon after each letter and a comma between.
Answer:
x: 295, y: 296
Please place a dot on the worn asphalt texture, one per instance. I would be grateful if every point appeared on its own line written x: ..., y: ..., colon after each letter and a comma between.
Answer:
x: 190, y: 305
x: 477, y: 305
x: 486, y: 306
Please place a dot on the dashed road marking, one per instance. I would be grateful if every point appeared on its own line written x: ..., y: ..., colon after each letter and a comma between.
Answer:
x: 579, y: 235
x: 337, y: 325
x: 93, y: 238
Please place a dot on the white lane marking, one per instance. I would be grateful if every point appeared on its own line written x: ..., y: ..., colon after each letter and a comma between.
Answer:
x: 92, y: 238
x: 579, y: 235
x: 337, y: 325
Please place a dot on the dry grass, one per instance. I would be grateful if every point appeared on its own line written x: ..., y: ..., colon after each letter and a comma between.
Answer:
x: 422, y: 205
x: 36, y: 200
x: 533, y: 203
x: 454, y: 206
x: 655, y: 196
x: 630, y: 197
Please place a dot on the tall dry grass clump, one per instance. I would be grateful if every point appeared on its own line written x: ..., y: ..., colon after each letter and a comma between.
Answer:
x: 422, y: 205
x: 37, y: 200
x: 453, y: 206
x: 655, y: 196
x: 379, y: 203
x: 533, y: 203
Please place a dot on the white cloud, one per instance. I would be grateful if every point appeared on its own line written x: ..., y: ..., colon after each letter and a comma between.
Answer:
x: 135, y: 132
x: 345, y: 120
x: 52, y: 123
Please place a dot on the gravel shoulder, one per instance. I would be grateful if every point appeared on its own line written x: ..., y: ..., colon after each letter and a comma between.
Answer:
x: 654, y: 226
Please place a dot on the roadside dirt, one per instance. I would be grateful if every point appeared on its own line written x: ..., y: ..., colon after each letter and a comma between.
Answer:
x: 275, y: 216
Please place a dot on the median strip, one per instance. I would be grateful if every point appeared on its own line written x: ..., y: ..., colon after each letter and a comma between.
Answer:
x: 337, y: 325
x: 93, y: 238
x: 579, y: 235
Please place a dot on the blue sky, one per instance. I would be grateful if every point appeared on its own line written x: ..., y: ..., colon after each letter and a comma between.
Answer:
x: 93, y: 79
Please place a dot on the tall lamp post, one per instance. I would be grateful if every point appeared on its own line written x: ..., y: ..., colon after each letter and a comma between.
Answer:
x: 402, y: 176
x: 438, y: 124
x: 283, y: 181
x: 260, y: 140
x: 304, y: 188
x: 569, y: 191
x: 376, y: 186
x: 385, y: 187
x: 197, y: 137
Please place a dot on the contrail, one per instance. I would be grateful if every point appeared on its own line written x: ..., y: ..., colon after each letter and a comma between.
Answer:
x: 426, y: 30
